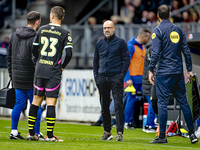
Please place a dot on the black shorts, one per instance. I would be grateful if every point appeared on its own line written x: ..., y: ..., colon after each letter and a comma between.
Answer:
x: 47, y: 87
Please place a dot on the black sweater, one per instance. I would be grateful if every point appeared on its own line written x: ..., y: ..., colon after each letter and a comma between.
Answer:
x: 111, y: 57
x: 146, y: 86
x: 20, y: 65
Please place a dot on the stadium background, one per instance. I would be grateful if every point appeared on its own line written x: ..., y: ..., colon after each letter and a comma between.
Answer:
x: 80, y: 19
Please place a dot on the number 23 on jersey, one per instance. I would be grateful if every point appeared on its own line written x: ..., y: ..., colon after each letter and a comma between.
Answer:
x: 46, y: 41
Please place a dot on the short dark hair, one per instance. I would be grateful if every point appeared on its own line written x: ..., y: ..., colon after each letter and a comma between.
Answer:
x: 143, y: 32
x: 163, y: 12
x: 58, y: 11
x: 32, y: 17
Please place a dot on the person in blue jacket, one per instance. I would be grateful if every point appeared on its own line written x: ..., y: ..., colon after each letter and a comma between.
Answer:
x: 134, y: 74
x: 110, y: 64
x: 169, y: 42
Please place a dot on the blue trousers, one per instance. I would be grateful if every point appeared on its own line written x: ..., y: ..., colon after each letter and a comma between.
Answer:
x: 21, y: 99
x: 172, y: 83
x: 150, y: 115
x: 198, y: 122
x: 130, y: 103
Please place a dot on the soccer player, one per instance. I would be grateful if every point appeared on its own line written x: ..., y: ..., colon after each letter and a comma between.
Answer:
x: 50, y: 42
x: 21, y: 70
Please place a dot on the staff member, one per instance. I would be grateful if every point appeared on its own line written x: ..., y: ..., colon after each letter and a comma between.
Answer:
x: 21, y: 70
x: 168, y: 41
x: 110, y: 64
x: 134, y: 74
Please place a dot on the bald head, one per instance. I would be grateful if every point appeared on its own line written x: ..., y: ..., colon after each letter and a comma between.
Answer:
x: 108, y: 28
x: 108, y: 23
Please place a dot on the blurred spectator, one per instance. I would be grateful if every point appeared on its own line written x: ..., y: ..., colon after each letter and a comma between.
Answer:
x: 152, y: 18
x: 195, y: 8
x: 96, y: 33
x: 126, y: 13
x: 185, y: 2
x: 144, y: 17
x: 175, y: 7
x: 138, y: 9
x: 195, y: 17
x: 21, y: 7
x: 3, y: 52
x: 115, y: 19
x: 5, y: 10
x: 186, y: 17
x: 150, y: 5
x: 92, y: 21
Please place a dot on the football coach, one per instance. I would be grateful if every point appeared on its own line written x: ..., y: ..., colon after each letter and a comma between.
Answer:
x: 168, y: 42
x: 110, y: 64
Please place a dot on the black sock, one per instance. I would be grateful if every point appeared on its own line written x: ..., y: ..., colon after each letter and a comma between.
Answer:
x: 191, y: 131
x: 162, y: 134
x: 50, y: 119
x: 32, y: 118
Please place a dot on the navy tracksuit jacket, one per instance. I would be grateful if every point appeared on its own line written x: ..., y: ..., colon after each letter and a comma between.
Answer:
x: 168, y: 42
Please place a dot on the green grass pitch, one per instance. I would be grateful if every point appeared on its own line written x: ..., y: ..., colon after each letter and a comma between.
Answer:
x: 86, y: 137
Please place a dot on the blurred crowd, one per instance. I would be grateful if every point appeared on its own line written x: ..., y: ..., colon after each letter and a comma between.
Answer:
x: 3, y: 52
x: 144, y: 12
x: 6, y: 9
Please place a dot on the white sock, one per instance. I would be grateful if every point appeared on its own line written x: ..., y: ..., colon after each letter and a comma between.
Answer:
x: 126, y: 124
x: 14, y: 132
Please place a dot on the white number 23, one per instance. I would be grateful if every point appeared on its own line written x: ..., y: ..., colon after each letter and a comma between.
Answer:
x: 45, y: 41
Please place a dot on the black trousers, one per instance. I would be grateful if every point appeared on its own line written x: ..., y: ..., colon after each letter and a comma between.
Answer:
x: 105, y: 85
x: 154, y: 100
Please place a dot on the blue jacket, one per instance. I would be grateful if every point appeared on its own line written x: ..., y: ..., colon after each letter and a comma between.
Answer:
x: 136, y: 79
x: 168, y: 41
x: 111, y: 57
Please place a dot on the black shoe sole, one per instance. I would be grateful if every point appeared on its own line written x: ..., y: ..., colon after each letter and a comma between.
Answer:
x: 11, y: 138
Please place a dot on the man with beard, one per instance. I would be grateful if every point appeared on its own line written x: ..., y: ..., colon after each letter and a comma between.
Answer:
x: 21, y: 70
x: 110, y: 64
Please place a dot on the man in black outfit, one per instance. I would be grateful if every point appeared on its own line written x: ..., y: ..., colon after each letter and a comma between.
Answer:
x: 111, y: 62
x: 21, y: 70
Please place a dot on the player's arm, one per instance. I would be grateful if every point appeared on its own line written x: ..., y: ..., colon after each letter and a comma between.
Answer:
x: 96, y: 61
x: 68, y: 56
x: 35, y: 47
x: 127, y: 78
x: 156, y: 48
x: 68, y: 50
x: 9, y: 58
x: 125, y: 58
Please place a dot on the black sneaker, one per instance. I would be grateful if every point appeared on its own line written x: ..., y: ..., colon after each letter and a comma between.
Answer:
x: 119, y: 136
x: 145, y: 128
x: 107, y: 136
x: 151, y: 130
x: 17, y: 137
x: 128, y: 126
x: 193, y: 138
x: 159, y: 140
